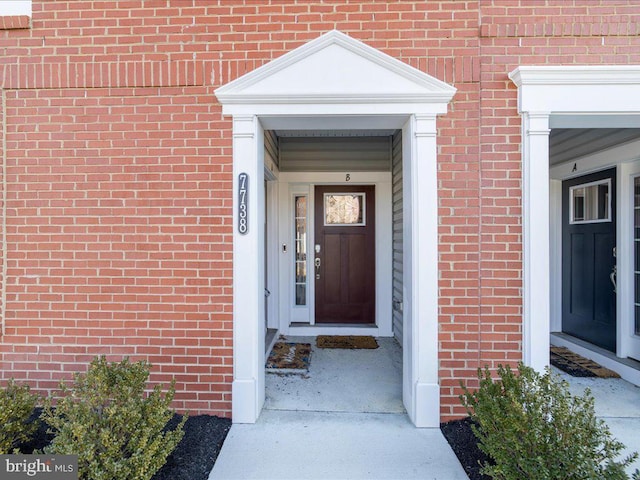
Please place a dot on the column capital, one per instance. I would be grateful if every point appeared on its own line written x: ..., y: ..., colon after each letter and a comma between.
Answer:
x: 537, y: 123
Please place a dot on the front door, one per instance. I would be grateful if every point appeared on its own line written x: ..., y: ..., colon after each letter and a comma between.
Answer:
x: 588, y: 258
x: 344, y: 254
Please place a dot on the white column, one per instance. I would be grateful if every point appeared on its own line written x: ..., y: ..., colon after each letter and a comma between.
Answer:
x: 535, y: 226
x: 422, y: 391
x: 248, y: 273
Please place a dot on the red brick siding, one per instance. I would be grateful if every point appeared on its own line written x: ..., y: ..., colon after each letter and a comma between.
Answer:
x: 119, y: 169
x: 14, y: 22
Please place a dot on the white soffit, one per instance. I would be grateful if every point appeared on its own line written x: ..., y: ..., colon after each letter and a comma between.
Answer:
x: 606, y: 89
x: 335, y: 69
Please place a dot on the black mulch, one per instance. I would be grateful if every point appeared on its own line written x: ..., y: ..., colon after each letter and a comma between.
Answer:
x: 196, y: 453
x: 465, y: 445
x: 192, y: 459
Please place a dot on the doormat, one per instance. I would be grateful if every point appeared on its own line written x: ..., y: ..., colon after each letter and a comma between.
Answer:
x: 289, y: 358
x: 577, y: 366
x: 347, y: 341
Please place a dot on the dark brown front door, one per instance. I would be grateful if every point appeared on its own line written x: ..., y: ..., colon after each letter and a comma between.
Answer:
x: 344, y: 254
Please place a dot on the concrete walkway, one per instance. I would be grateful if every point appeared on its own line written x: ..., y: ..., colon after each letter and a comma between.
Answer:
x: 332, y: 446
x: 617, y: 402
x: 345, y: 420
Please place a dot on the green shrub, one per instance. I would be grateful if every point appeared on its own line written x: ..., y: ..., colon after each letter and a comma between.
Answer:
x: 116, y: 429
x: 530, y: 426
x: 16, y: 406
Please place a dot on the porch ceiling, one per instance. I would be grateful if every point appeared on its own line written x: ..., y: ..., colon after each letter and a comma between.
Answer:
x: 568, y: 143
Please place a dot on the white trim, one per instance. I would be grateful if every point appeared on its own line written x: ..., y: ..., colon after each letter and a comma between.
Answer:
x: 572, y: 75
x: 420, y: 276
x: 572, y: 220
x: 571, y: 93
x: 272, y: 246
x: 248, y: 274
x: 299, y: 183
x: 628, y: 341
x: 555, y: 253
x: 536, y: 248
x: 248, y: 89
x: 279, y: 94
x: 362, y: 223
x: 13, y: 8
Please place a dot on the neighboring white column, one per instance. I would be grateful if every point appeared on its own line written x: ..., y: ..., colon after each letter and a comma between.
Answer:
x: 535, y: 230
x: 248, y: 272
x: 422, y: 391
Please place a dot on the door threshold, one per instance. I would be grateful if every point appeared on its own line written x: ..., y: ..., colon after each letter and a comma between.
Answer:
x: 627, y: 368
x: 331, y: 325
x: 304, y: 329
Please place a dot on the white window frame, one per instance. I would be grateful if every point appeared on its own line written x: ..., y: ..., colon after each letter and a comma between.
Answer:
x: 363, y: 223
x: 15, y: 8
x: 572, y: 220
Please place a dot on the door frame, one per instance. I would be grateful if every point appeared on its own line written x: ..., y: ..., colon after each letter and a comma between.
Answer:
x: 290, y: 184
x: 630, y: 341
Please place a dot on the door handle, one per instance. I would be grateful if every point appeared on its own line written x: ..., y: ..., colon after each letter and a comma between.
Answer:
x: 612, y: 277
x: 317, y: 264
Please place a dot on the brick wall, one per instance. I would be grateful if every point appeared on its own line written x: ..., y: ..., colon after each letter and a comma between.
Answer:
x: 117, y: 171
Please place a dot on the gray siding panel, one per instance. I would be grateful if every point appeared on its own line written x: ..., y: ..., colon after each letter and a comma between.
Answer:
x: 397, y: 217
x: 271, y: 146
x: 335, y: 154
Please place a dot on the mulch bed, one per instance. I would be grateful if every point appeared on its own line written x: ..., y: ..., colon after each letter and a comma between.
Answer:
x: 192, y: 459
x: 465, y: 445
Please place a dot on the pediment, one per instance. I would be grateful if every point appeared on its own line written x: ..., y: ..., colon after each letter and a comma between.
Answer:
x: 335, y: 68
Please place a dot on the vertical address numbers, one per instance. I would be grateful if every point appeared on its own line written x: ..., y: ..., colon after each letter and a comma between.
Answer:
x: 243, y: 195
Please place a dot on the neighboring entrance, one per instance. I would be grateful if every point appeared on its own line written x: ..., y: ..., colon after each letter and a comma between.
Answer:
x: 589, y: 258
x: 344, y: 254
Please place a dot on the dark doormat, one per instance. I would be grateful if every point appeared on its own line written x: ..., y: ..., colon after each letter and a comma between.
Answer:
x: 577, y: 366
x: 289, y: 358
x: 346, y: 341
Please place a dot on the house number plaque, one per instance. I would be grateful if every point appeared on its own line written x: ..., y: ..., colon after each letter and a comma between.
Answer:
x: 243, y: 212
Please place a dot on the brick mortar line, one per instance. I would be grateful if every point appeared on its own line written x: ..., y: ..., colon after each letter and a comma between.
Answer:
x: 3, y: 294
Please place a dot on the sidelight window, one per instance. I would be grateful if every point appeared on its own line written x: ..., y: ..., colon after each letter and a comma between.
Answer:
x: 300, y: 203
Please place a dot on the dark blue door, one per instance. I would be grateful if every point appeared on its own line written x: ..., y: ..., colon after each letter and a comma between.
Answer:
x: 588, y: 258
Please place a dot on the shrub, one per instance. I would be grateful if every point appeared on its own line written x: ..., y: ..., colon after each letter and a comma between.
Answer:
x: 106, y: 419
x: 530, y: 426
x: 16, y: 406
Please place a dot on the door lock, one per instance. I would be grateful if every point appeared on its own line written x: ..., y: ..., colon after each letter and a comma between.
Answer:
x: 317, y: 264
